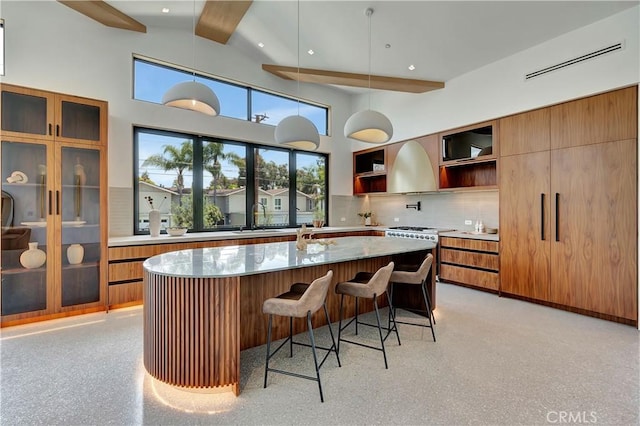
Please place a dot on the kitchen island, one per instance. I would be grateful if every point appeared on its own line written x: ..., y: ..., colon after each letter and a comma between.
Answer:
x: 203, y: 306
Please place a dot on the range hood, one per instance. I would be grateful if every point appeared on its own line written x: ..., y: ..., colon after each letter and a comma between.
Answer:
x: 411, y: 170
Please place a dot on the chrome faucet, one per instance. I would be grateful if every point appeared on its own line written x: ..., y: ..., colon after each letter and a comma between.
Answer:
x: 253, y: 218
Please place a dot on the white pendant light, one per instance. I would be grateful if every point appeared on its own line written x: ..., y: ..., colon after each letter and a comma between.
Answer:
x: 295, y: 130
x: 194, y: 96
x: 368, y: 125
x: 191, y: 94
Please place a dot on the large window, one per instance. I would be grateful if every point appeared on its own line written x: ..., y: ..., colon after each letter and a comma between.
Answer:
x: 151, y: 80
x: 207, y: 184
x: 311, y: 187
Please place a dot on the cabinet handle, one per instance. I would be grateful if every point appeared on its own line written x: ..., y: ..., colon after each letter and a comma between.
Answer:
x: 557, y: 217
x: 57, y: 202
x: 57, y: 130
x: 50, y: 204
x: 542, y: 216
x: 50, y: 130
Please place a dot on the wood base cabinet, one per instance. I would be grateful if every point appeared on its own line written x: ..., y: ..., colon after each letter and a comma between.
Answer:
x: 568, y: 215
x: 470, y: 261
x: 54, y: 195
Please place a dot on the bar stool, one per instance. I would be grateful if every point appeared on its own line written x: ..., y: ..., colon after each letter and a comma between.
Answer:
x: 300, y: 301
x: 403, y: 275
x: 368, y: 285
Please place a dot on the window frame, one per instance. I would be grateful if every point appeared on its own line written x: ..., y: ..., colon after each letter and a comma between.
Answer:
x: 249, y: 90
x: 251, y: 191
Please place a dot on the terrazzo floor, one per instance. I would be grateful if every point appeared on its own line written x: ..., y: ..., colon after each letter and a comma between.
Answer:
x: 497, y: 361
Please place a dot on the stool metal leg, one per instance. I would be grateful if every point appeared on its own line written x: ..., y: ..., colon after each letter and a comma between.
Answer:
x: 315, y: 356
x: 340, y: 325
x: 334, y: 347
x: 266, y: 364
x: 427, y: 305
x: 384, y: 352
x: 433, y: 317
x: 290, y: 337
x: 392, y: 319
x: 357, y: 305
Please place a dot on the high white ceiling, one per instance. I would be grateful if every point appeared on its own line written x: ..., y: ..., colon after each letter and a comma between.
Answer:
x: 442, y: 39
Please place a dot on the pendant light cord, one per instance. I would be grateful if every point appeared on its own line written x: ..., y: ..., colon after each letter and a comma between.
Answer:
x: 369, y: 13
x: 193, y: 39
x: 298, y: 54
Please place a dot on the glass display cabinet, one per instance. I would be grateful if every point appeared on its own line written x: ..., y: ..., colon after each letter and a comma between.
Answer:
x: 54, y: 208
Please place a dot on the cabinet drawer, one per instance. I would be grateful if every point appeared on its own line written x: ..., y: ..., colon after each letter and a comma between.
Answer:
x: 468, y: 258
x: 125, y: 271
x: 125, y: 294
x: 469, y: 276
x: 470, y: 244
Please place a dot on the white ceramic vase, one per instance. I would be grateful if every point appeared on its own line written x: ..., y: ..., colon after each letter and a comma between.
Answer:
x: 367, y: 221
x: 75, y: 254
x: 154, y: 223
x: 34, y: 257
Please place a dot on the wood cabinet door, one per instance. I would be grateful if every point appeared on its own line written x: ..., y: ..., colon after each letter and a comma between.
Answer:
x: 526, y: 132
x: 26, y: 113
x: 593, y: 249
x: 524, y: 225
x: 612, y: 116
x: 80, y: 120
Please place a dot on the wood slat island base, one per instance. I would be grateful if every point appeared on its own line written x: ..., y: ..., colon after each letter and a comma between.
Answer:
x: 196, y: 321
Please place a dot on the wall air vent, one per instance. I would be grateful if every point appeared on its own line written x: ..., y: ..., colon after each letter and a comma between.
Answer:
x: 586, y: 57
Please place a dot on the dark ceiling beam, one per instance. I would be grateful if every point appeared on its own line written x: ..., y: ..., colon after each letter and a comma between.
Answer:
x: 396, y: 84
x: 219, y: 19
x: 105, y: 14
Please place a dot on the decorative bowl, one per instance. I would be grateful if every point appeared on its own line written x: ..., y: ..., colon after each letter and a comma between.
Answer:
x: 176, y: 231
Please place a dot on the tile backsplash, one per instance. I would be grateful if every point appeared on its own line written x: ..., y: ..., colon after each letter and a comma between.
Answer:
x: 441, y: 210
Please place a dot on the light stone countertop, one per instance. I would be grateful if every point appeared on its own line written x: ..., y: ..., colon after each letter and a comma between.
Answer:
x: 471, y: 235
x: 139, y: 240
x: 232, y: 261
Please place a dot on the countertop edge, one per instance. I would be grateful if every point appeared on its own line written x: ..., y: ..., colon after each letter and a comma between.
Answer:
x: 470, y: 235
x: 139, y: 240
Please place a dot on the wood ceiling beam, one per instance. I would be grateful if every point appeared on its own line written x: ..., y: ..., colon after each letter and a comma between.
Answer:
x: 219, y: 19
x: 105, y: 14
x: 396, y: 84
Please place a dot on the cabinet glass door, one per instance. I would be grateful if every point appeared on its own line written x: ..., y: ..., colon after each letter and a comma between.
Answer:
x: 25, y: 113
x: 80, y: 121
x: 25, y: 252
x: 80, y: 211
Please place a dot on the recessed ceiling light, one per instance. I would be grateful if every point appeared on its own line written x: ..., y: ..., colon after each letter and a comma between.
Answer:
x: 261, y: 44
x: 412, y: 67
x: 165, y: 10
x: 387, y: 46
x: 310, y: 52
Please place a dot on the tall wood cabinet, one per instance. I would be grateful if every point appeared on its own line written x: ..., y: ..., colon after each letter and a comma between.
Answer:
x: 568, y: 204
x: 54, y: 193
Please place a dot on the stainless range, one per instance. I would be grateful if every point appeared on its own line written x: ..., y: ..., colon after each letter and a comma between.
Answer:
x: 415, y: 232
x: 418, y: 233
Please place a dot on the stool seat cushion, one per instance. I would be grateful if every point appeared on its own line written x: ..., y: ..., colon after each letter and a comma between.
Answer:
x: 360, y: 286
x: 300, y: 299
x: 417, y: 277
